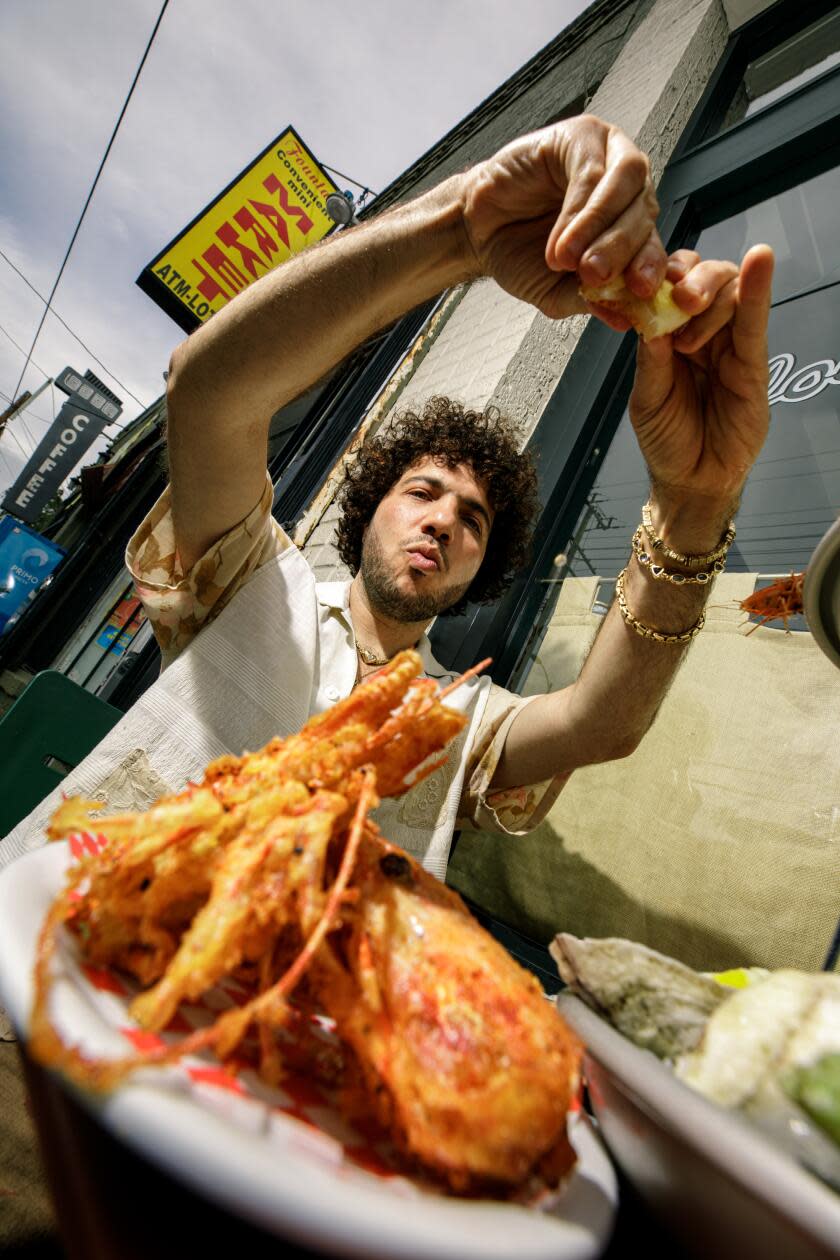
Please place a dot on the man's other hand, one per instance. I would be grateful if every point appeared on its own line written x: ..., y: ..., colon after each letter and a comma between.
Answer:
x: 699, y: 402
x: 569, y: 204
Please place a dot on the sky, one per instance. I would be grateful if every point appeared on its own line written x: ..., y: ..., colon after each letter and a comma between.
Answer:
x: 369, y: 86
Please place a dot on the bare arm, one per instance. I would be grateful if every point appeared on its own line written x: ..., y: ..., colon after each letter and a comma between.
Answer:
x: 625, y: 677
x: 701, y: 417
x: 530, y: 217
x: 279, y: 337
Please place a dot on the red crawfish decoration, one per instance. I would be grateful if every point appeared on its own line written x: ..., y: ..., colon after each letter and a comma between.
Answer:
x: 778, y: 602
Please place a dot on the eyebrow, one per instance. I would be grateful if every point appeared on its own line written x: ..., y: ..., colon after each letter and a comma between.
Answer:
x: 438, y: 484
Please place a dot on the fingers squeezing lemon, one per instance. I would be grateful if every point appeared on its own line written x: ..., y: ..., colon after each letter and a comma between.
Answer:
x: 651, y: 317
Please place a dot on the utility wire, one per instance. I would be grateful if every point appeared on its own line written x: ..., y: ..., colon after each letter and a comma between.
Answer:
x: 92, y: 190
x: 12, y: 472
x: 26, y: 454
x: 19, y: 416
x: 25, y: 426
x: 22, y: 351
x: 6, y: 333
x: 73, y: 334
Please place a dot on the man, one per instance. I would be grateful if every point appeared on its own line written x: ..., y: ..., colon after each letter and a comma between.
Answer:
x: 573, y: 203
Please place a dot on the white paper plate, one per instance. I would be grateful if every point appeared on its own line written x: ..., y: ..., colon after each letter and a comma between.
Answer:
x: 286, y: 1163
x: 718, y: 1182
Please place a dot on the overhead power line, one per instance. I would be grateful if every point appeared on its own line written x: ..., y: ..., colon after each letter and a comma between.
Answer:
x: 90, y: 194
x: 73, y: 334
x: 22, y: 351
x: 12, y: 473
x: 19, y: 444
x: 17, y: 409
x: 6, y: 333
x: 11, y: 470
x: 117, y: 423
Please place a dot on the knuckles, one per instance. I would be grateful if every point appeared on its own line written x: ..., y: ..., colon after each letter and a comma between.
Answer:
x: 590, y: 172
x: 584, y: 122
x: 634, y: 166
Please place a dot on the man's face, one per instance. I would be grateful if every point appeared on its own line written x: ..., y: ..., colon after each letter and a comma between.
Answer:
x: 426, y: 541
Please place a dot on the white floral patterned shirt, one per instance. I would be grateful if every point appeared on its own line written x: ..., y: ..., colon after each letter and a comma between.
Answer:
x: 178, y: 604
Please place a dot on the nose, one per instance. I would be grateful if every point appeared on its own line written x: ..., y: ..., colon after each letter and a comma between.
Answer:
x: 440, y: 520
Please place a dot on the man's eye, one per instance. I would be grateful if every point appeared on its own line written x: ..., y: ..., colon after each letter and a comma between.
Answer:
x: 473, y: 523
x: 419, y: 494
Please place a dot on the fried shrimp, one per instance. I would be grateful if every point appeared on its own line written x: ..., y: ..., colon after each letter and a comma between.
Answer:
x: 270, y: 868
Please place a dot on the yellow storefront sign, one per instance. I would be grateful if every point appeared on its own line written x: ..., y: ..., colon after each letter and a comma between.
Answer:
x: 273, y: 209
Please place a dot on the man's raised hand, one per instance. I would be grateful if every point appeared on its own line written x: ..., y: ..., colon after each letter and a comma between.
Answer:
x: 569, y: 204
x: 699, y: 402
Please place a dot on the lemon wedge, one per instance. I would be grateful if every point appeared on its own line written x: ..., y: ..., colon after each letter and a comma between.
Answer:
x: 651, y: 317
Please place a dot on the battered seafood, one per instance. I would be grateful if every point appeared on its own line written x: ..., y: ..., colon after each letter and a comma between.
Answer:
x: 271, y: 868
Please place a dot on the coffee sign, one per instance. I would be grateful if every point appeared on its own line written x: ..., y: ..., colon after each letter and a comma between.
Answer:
x: 90, y: 407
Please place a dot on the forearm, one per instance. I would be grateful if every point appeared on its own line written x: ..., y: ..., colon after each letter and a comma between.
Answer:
x: 605, y: 713
x: 281, y: 335
x: 627, y: 675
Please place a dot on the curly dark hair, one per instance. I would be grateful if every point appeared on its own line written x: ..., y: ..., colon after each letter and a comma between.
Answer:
x: 484, y: 442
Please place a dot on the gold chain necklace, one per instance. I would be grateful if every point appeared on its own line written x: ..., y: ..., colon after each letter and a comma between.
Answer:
x: 369, y: 657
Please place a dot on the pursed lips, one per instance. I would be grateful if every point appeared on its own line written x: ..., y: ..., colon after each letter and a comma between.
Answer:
x: 424, y: 557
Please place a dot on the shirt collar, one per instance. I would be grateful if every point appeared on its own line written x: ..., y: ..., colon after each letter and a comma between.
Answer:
x: 336, y: 596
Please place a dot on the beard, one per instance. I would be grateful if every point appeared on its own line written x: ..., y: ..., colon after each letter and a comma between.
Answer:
x: 388, y: 600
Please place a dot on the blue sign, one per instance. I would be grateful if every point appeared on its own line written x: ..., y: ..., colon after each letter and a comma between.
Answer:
x: 26, y: 560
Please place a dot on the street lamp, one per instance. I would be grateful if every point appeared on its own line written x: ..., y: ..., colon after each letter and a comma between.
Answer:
x: 342, y: 208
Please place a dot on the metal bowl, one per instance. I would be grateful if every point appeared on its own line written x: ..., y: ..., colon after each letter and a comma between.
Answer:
x: 719, y: 1184
x: 822, y: 594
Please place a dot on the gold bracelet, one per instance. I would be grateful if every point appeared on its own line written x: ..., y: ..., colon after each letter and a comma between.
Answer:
x: 679, y: 579
x: 688, y: 562
x: 647, y: 632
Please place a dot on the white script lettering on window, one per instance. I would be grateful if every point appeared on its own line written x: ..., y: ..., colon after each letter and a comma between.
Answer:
x: 790, y: 384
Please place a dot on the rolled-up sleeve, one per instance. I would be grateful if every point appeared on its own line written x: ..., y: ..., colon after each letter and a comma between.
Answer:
x: 507, y: 811
x: 179, y: 603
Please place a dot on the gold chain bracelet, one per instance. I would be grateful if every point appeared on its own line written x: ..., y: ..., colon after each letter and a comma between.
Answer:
x: 688, y: 562
x: 648, y: 632
x: 678, y: 579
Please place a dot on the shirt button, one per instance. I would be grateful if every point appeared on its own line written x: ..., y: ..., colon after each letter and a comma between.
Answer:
x: 332, y: 693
